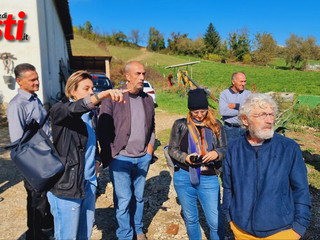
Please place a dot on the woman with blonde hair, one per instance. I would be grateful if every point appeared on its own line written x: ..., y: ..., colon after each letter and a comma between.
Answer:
x: 72, y: 198
x: 197, y: 147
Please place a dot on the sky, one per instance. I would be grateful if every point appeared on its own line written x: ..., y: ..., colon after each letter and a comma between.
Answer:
x: 281, y: 18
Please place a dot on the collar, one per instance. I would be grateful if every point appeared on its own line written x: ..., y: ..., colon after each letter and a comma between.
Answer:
x: 26, y: 94
x: 233, y: 92
x: 264, y: 144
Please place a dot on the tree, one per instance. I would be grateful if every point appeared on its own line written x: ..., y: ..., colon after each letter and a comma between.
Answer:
x: 118, y: 38
x: 310, y: 44
x: 224, y: 50
x: 212, y: 39
x: 135, y: 36
x: 174, y: 41
x: 266, y: 48
x: 88, y: 28
x: 156, y: 40
x: 239, y: 44
x: 298, y: 50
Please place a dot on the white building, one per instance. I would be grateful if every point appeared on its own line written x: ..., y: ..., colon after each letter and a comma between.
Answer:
x: 47, y: 30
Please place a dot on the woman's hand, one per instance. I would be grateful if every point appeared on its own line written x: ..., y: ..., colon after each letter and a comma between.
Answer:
x: 188, y: 159
x: 115, y: 94
x: 210, y: 156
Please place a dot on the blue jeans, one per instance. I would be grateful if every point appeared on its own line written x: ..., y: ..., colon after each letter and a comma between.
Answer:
x: 128, y: 176
x: 233, y: 132
x: 208, y: 193
x: 73, y: 218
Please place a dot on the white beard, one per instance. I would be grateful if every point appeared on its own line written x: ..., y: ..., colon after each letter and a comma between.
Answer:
x: 261, y: 133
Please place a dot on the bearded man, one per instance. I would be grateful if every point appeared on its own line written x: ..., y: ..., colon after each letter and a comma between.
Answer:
x: 265, y: 185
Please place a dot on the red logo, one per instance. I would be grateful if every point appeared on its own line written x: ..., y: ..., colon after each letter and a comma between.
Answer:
x: 9, y: 23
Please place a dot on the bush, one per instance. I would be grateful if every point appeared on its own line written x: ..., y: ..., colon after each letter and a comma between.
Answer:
x: 213, y: 57
x: 247, y: 58
x: 306, y: 116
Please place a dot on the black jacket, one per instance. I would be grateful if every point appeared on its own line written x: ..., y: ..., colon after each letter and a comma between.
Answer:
x: 178, y: 145
x: 70, y: 138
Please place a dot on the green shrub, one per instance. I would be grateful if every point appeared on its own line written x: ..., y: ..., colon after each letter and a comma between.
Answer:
x: 247, y: 58
x: 306, y: 116
x: 213, y: 57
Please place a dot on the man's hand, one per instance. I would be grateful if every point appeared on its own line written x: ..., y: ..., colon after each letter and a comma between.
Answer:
x: 150, y: 149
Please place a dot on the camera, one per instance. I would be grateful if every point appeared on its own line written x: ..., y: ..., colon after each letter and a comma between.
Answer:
x: 196, y: 159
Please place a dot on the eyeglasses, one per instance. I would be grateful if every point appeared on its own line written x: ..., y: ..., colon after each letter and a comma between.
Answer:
x: 203, y: 112
x: 263, y: 115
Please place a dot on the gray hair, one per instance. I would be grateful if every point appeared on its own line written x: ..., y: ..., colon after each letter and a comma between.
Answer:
x: 20, y: 69
x: 256, y: 99
x: 235, y: 74
x: 128, y: 65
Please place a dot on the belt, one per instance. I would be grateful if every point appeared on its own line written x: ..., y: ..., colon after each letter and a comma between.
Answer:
x: 232, y: 125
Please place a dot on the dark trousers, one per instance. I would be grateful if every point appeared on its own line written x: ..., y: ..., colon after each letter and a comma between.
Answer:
x: 38, y: 214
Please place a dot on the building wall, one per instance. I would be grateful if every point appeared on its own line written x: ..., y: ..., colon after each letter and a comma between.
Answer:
x: 52, y: 47
x: 23, y: 51
x: 44, y: 48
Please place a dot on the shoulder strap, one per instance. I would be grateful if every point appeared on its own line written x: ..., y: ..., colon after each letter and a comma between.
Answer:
x: 45, y: 119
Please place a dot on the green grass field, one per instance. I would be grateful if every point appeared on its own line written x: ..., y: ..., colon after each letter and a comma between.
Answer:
x: 82, y: 46
x: 218, y: 75
x: 214, y: 76
x: 280, y: 63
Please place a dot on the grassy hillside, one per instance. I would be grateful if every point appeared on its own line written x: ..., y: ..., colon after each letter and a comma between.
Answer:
x: 215, y: 76
x: 83, y: 46
x: 218, y: 75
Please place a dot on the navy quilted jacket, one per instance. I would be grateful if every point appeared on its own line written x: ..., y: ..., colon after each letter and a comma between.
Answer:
x: 266, y: 191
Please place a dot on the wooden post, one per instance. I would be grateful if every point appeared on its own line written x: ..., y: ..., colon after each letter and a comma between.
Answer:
x: 107, y: 65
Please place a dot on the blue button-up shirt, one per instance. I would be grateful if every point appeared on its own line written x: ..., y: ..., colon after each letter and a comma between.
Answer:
x: 21, y: 110
x: 90, y: 163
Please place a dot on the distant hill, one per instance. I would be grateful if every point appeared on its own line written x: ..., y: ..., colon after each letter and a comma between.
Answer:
x: 82, y: 46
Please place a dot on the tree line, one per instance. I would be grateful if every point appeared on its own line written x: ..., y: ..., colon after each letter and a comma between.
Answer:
x: 238, y: 47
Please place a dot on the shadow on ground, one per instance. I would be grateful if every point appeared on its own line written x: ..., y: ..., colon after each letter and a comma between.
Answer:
x: 156, y: 193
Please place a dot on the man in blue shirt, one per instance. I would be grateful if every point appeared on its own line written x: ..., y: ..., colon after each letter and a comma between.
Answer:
x: 229, y: 103
x: 24, y: 107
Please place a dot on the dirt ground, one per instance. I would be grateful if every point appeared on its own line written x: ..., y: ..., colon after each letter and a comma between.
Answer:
x: 162, y: 210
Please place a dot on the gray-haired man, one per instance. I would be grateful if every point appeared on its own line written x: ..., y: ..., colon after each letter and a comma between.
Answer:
x: 24, y: 107
x: 265, y: 185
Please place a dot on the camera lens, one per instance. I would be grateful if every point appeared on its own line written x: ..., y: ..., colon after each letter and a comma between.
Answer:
x: 193, y: 158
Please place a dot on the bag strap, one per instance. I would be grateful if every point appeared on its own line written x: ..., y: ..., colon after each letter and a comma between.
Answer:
x: 15, y: 143
x: 45, y: 119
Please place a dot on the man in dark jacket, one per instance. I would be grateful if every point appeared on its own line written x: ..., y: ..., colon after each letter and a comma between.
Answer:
x: 266, y: 193
x: 126, y: 134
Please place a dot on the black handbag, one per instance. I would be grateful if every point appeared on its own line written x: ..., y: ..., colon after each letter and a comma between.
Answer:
x: 36, y: 157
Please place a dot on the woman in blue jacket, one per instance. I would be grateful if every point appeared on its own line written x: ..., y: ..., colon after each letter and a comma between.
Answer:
x: 197, y: 145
